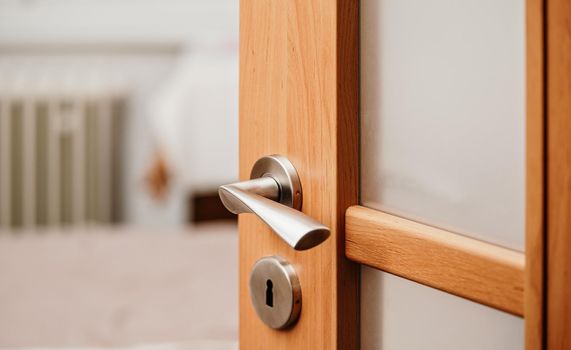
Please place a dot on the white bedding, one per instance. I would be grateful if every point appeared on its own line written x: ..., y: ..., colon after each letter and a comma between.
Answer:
x: 189, y: 345
x: 111, y: 288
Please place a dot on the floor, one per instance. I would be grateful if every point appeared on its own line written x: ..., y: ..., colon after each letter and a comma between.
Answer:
x: 120, y: 287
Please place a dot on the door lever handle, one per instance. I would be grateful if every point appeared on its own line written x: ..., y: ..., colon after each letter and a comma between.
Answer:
x: 274, y: 195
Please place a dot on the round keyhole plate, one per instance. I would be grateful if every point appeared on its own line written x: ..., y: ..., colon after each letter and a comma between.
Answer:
x: 286, y: 292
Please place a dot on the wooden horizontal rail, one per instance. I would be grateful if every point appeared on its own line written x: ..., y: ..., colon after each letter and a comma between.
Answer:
x: 463, y: 266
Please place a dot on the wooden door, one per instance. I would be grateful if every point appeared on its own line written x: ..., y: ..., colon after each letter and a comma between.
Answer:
x: 299, y: 97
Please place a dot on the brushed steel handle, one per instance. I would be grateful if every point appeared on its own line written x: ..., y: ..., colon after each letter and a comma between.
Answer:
x: 274, y: 194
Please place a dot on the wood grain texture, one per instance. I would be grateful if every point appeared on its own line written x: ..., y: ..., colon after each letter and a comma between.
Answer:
x: 558, y: 289
x: 535, y: 177
x: 456, y: 264
x: 299, y: 98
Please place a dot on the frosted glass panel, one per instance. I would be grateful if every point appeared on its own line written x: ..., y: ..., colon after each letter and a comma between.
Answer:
x: 400, y: 314
x: 442, y: 86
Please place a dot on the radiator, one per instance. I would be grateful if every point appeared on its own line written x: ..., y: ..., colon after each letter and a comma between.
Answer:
x: 60, y: 156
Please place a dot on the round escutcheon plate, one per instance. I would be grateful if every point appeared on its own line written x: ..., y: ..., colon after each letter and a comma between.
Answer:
x: 275, y: 292
x: 280, y: 169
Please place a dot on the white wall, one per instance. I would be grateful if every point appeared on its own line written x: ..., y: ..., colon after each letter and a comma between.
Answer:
x: 180, y: 21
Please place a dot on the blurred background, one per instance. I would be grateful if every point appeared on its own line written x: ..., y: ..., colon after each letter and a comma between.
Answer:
x: 118, y: 120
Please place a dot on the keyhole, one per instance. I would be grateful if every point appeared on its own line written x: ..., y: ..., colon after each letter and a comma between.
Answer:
x: 270, y: 293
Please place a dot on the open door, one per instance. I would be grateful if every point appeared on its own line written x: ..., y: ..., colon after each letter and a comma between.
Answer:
x: 299, y: 98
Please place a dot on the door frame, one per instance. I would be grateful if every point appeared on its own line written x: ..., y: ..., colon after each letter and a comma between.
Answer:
x: 556, y: 310
x: 299, y: 96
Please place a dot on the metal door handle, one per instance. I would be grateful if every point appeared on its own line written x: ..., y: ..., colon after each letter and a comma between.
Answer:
x: 274, y: 195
